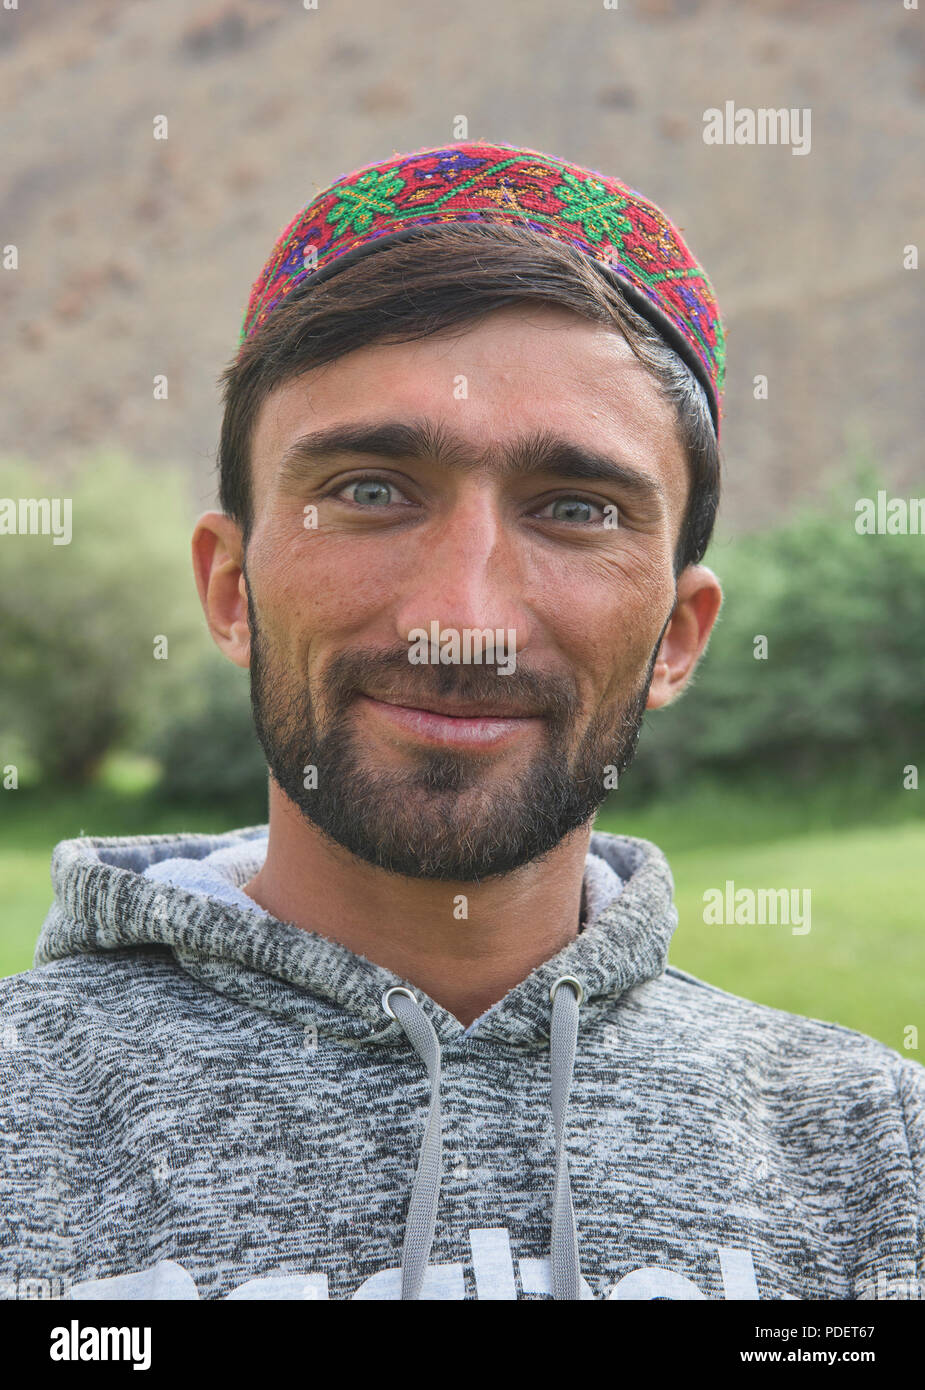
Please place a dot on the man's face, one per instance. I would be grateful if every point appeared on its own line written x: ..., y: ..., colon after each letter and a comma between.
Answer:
x: 573, y: 572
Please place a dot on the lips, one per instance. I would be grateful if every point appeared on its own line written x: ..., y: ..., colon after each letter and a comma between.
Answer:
x: 455, y: 709
x: 472, y: 726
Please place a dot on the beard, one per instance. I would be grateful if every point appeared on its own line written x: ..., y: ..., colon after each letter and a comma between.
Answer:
x: 448, y: 816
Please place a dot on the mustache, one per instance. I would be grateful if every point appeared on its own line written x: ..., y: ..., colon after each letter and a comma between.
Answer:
x: 370, y: 671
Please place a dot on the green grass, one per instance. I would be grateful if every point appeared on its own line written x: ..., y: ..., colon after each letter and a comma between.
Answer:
x: 862, y: 964
x: 861, y: 853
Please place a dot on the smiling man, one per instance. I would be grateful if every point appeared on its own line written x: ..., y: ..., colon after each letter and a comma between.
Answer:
x: 477, y: 395
x: 478, y: 512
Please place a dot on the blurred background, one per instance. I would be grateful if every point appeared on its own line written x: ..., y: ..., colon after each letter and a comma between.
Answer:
x: 133, y: 260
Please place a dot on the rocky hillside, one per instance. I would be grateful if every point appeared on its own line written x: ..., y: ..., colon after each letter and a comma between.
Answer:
x: 136, y: 255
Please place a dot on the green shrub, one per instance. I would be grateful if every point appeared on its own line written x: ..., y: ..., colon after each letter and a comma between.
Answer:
x: 842, y: 682
x: 205, y: 742
x: 78, y: 621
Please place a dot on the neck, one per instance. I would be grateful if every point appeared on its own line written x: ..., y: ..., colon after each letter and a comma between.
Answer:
x: 464, y: 944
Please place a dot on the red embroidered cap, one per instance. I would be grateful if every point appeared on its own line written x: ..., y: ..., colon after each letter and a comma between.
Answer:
x: 624, y: 233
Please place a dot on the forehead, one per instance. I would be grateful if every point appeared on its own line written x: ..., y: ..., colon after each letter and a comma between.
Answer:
x: 518, y: 371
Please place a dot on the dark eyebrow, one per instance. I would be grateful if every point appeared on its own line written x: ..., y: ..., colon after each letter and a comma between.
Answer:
x: 540, y: 452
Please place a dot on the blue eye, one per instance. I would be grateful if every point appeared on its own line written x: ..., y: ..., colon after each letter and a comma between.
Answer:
x: 573, y: 509
x: 371, y: 492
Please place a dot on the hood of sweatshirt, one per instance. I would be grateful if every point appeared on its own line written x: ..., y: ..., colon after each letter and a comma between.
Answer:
x: 106, y: 901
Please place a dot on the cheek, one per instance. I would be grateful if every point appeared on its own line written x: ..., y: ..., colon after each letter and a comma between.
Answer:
x: 607, y: 619
x: 315, y: 585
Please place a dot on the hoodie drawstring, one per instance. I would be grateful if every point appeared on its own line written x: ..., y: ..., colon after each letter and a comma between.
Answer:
x: 421, y: 1221
x: 563, y: 1036
x: 422, y: 1210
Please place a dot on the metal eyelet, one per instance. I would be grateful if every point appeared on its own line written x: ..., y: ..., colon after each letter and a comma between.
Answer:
x: 567, y: 980
x: 396, y: 989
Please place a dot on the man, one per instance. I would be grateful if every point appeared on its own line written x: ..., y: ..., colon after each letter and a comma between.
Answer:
x: 469, y: 470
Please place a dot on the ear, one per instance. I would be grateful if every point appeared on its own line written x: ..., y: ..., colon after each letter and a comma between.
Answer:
x: 218, y: 556
x: 698, y: 601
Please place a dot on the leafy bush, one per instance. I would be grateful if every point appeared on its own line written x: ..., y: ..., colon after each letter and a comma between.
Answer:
x: 205, y: 742
x: 78, y: 620
x: 842, y: 682
x: 104, y: 643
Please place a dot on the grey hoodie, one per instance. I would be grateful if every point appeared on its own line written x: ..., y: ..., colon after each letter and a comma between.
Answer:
x: 200, y: 1101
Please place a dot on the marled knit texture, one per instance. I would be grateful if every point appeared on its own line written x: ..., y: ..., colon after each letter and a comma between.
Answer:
x: 196, y: 1096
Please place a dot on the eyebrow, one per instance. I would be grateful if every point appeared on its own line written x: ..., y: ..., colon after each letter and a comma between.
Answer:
x: 540, y: 452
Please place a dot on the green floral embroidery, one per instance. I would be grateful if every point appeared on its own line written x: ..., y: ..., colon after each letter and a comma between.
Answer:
x: 587, y: 201
x: 371, y: 196
x: 719, y: 354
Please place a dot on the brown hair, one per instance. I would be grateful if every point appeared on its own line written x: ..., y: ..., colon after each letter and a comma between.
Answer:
x: 449, y: 274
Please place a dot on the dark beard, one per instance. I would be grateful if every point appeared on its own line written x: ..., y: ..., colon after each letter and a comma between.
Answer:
x: 413, y: 822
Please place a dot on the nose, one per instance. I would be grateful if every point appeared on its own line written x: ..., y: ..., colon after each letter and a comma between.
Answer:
x: 467, y: 572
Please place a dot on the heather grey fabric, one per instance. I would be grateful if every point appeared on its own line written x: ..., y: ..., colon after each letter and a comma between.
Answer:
x: 199, y: 1101
x: 220, y: 874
